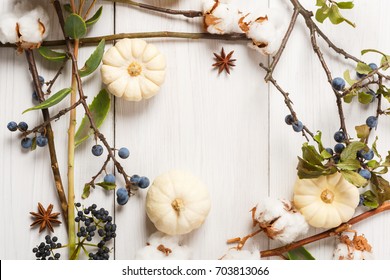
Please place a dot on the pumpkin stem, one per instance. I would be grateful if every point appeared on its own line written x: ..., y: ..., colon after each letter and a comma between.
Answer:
x: 327, y: 196
x: 177, y: 204
x: 134, y: 69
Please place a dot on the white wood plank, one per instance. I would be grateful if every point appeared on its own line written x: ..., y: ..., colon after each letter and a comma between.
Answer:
x: 214, y: 126
x: 300, y: 73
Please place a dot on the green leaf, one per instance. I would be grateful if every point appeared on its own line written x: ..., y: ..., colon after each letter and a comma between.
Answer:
x: 310, y: 154
x: 375, y: 150
x: 91, y: 21
x: 52, y: 55
x: 299, y: 254
x: 320, y: 3
x: 322, y: 13
x: 345, y: 5
x: 351, y: 164
x: 373, y: 164
x: 107, y: 186
x: 317, y: 138
x: 347, y: 77
x: 52, y: 100
x: 68, y: 8
x: 75, y: 26
x: 307, y: 170
x: 381, y: 188
x: 363, y: 68
x: 351, y: 150
x: 362, y: 131
x: 34, y: 144
x: 334, y: 15
x: 385, y: 62
x: 365, y: 98
x: 99, y: 108
x: 325, y: 154
x: 384, y: 92
x: 86, y: 191
x: 370, y: 200
x: 93, y: 61
x: 354, y: 178
x: 349, y: 97
x: 387, y: 160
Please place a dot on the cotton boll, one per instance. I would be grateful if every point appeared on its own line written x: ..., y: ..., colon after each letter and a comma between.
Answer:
x: 345, y: 252
x: 33, y: 26
x: 234, y: 254
x: 280, y: 220
x: 8, y: 25
x: 220, y: 18
x: 163, y: 247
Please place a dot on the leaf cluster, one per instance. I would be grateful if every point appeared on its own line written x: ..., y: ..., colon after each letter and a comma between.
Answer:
x: 331, y: 10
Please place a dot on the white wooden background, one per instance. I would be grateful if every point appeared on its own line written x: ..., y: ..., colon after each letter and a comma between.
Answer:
x: 227, y: 130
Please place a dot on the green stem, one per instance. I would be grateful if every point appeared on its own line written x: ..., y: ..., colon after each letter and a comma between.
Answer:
x: 71, y: 162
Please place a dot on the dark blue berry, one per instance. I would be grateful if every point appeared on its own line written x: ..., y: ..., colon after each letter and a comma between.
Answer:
x: 123, y: 153
x: 143, y: 183
x: 360, y: 76
x: 57, y: 255
x: 122, y: 200
x: 135, y: 179
x: 41, y: 80
x: 373, y: 66
x: 97, y: 150
x: 35, y: 96
x: 109, y: 178
x: 22, y: 126
x: 329, y: 150
x: 372, y: 121
x: 26, y: 143
x: 338, y: 83
x: 12, y: 126
x: 338, y: 148
x: 298, y: 126
x: 361, y: 200
x: 339, y: 136
x: 365, y: 174
x: 373, y: 94
x: 336, y: 158
x: 289, y: 119
x: 78, y: 204
x: 122, y: 192
x: 42, y: 141
x: 369, y: 155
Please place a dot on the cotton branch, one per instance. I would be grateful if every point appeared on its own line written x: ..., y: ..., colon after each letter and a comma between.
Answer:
x: 331, y: 232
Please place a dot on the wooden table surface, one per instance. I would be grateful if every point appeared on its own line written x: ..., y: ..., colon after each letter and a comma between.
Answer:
x: 228, y: 130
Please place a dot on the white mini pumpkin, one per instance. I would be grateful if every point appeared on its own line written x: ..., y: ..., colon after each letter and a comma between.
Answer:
x: 177, y: 202
x: 133, y: 69
x: 326, y: 201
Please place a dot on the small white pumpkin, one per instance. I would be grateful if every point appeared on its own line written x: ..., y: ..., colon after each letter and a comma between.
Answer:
x: 326, y: 201
x: 133, y: 69
x: 177, y: 202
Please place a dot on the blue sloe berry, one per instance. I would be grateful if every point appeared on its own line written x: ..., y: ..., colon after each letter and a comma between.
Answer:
x: 329, y: 150
x: 97, y: 150
x: 338, y: 148
x: 143, y: 182
x: 23, y: 126
x: 123, y: 153
x: 12, y: 126
x: 135, y: 179
x: 372, y: 121
x: 42, y: 141
x: 289, y: 119
x: 298, y: 126
x: 109, y: 178
x: 26, y: 143
x: 365, y: 174
x: 339, y: 136
x: 338, y: 83
x: 373, y: 66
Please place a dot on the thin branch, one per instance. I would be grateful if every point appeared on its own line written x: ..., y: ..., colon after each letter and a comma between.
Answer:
x: 50, y: 136
x: 89, y: 9
x: 156, y: 34
x: 276, y: 57
x: 186, y: 13
x: 331, y: 232
x: 53, y: 118
x: 59, y: 72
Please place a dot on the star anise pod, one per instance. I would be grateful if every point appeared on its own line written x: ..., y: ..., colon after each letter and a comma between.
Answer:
x: 45, y: 218
x: 224, y: 62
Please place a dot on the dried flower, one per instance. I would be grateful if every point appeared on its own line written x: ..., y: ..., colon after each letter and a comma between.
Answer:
x: 26, y: 26
x: 280, y: 220
x: 45, y: 218
x: 224, y: 62
x: 355, y: 249
x: 163, y: 247
x: 234, y: 254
